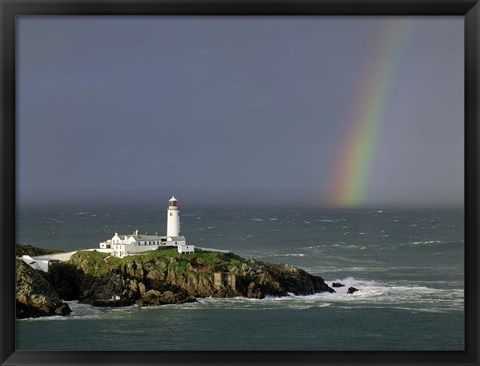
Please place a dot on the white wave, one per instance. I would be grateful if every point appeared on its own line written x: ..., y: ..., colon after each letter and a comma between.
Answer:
x: 353, y: 246
x: 314, y: 247
x: 426, y: 242
x: 79, y: 311
x: 44, y: 318
x: 371, y: 294
x: 410, y: 296
x: 294, y: 255
x: 257, y: 219
x: 420, y: 310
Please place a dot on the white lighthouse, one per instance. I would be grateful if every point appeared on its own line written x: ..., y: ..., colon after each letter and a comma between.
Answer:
x: 123, y: 245
x: 173, y: 218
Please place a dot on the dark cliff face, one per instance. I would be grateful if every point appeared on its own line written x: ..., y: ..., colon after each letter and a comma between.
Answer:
x: 157, y: 279
x: 35, y: 296
x: 261, y: 278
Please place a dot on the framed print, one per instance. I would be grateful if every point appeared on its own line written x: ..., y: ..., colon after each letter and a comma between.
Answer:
x: 247, y: 182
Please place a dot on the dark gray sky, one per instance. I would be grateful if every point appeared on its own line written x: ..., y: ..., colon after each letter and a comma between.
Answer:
x: 237, y: 108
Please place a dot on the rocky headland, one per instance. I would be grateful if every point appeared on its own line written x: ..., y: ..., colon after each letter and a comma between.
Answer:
x: 35, y: 296
x: 165, y: 277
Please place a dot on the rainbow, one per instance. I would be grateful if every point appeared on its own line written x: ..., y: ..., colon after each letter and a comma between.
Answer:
x: 353, y: 161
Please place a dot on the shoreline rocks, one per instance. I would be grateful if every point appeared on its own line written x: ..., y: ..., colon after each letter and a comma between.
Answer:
x: 35, y: 296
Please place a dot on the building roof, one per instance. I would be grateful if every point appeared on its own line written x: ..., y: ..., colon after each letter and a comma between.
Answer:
x: 172, y: 199
x: 178, y: 238
x: 139, y: 238
x: 147, y: 237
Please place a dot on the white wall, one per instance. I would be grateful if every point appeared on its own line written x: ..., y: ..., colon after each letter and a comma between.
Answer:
x: 122, y: 250
x: 36, y: 263
x: 173, y: 222
x: 106, y: 244
x: 186, y: 248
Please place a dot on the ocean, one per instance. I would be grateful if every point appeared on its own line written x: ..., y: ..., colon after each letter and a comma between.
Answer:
x: 408, y: 265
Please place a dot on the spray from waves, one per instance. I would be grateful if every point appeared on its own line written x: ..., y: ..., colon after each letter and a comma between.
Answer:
x: 288, y: 255
x: 370, y: 294
x: 399, y: 295
x: 85, y: 311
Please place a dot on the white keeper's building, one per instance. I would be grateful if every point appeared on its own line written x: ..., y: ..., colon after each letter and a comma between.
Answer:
x: 123, y: 245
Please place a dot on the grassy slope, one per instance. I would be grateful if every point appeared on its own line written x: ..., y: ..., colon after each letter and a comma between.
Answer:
x: 27, y: 249
x: 200, y: 259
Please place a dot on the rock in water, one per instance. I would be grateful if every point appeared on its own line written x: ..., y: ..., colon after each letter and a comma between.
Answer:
x: 337, y: 284
x: 351, y: 290
x: 35, y: 295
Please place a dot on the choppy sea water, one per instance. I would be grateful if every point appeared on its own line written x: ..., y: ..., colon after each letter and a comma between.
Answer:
x: 407, y: 264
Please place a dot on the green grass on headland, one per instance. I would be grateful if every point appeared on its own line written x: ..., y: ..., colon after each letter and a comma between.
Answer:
x: 199, y: 260
x: 27, y: 249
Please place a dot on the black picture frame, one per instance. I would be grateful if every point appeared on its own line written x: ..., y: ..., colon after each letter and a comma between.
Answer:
x: 10, y: 9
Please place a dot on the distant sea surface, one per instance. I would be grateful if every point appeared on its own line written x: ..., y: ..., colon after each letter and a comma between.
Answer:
x: 406, y: 263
